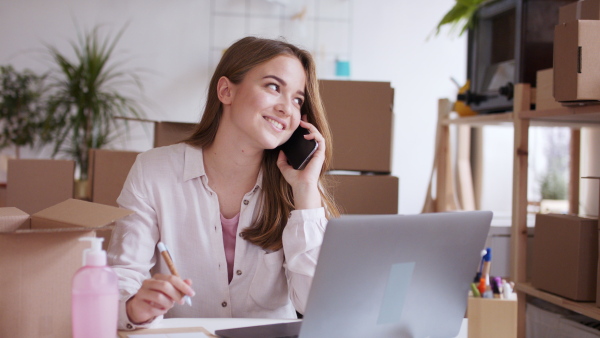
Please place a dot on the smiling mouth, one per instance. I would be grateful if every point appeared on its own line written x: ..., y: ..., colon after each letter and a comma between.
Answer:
x: 274, y: 123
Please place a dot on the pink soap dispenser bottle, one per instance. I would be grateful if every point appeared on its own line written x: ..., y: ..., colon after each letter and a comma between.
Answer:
x: 95, y: 295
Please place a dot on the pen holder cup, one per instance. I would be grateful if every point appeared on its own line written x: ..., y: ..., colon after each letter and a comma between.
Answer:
x: 492, y: 318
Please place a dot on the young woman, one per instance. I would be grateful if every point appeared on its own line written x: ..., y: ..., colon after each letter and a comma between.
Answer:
x: 238, y: 220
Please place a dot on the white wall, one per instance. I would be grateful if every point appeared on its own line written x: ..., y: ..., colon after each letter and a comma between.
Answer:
x: 171, y: 38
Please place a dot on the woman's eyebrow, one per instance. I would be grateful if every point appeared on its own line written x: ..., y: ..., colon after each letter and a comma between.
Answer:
x: 280, y: 80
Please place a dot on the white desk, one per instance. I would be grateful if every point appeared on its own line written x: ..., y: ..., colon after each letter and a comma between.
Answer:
x: 213, y: 324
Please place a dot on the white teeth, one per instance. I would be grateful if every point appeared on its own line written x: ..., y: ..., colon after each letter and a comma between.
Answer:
x: 274, y: 123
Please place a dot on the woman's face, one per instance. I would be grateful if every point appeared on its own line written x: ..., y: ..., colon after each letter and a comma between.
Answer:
x: 265, y: 106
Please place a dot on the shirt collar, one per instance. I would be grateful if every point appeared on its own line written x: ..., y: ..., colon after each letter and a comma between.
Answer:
x: 194, y: 165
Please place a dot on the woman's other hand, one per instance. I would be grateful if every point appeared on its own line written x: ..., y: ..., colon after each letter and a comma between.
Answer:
x: 156, y: 296
x: 305, y: 182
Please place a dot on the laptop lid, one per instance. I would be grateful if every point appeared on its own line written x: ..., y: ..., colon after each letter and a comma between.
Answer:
x: 389, y: 276
x: 395, y: 275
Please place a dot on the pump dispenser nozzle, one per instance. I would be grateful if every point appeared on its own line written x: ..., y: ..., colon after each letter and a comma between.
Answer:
x: 94, y: 256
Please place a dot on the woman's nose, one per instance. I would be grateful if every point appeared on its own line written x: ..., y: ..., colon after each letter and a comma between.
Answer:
x: 284, y: 108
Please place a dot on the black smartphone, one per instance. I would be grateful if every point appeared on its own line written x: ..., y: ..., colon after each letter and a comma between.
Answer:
x: 299, y: 150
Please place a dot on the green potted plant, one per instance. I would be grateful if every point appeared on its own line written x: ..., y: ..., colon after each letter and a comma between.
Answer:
x: 86, y: 96
x: 463, y: 12
x: 22, y: 112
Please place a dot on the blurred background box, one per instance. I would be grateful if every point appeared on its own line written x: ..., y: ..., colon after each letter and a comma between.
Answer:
x: 361, y: 120
x: 579, y: 10
x: 33, y: 185
x: 167, y: 133
x: 366, y: 194
x: 108, y: 170
x: 577, y: 61
x: 544, y: 92
x: 565, y: 256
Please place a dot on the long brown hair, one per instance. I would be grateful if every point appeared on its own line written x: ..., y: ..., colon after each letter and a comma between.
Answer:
x: 278, y: 200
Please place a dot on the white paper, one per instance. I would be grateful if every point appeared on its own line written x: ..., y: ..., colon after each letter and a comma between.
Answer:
x: 170, y: 335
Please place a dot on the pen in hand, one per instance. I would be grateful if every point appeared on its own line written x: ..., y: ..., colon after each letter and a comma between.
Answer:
x: 167, y: 257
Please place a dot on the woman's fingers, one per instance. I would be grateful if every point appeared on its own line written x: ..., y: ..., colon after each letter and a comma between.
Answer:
x: 156, y: 296
x: 174, y: 287
x: 314, y: 135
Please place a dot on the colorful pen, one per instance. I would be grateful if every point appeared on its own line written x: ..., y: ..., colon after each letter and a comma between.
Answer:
x: 167, y: 257
x: 475, y: 291
x: 487, y: 261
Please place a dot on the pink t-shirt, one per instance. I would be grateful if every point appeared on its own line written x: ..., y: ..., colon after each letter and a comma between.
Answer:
x: 229, y: 236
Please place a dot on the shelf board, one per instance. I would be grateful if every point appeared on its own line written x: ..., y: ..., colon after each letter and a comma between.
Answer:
x: 576, y: 117
x: 585, y: 308
x: 481, y: 119
x: 576, y: 114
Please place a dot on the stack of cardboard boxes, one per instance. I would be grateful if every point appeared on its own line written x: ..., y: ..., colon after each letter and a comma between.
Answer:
x: 361, y: 118
x: 565, y: 250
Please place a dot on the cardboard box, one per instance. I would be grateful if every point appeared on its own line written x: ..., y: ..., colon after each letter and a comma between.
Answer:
x: 2, y: 195
x: 492, y: 318
x: 366, y: 194
x: 108, y: 170
x: 598, y: 267
x: 361, y: 120
x: 38, y: 264
x: 545, y: 97
x: 577, y: 61
x: 33, y: 185
x: 565, y: 256
x: 579, y: 10
x: 167, y: 133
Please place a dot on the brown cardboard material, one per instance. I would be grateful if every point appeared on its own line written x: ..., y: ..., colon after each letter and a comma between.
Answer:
x: 577, y: 61
x: 545, y: 98
x: 579, y: 10
x: 12, y: 218
x: 108, y: 171
x: 361, y: 120
x: 492, y: 318
x: 598, y: 267
x: 565, y: 256
x: 33, y: 185
x: 38, y: 264
x: 366, y: 194
x: 167, y: 133
x: 2, y: 195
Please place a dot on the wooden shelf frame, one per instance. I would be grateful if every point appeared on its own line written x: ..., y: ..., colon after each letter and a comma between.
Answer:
x: 521, y: 118
x: 585, y: 308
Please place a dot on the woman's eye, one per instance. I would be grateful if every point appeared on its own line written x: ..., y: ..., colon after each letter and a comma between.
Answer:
x: 273, y: 86
x: 299, y: 101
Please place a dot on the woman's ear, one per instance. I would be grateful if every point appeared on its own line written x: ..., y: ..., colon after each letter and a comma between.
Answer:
x: 225, y: 90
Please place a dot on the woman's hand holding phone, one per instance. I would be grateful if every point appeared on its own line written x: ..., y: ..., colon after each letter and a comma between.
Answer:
x: 305, y: 182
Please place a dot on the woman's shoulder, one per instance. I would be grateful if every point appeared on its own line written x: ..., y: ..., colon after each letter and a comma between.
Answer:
x: 172, y: 155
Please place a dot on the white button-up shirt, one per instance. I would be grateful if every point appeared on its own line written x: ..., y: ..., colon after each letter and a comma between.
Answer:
x: 168, y: 190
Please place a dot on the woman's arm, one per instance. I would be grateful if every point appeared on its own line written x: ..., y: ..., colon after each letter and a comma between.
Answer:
x: 132, y: 255
x: 303, y: 234
x: 302, y: 238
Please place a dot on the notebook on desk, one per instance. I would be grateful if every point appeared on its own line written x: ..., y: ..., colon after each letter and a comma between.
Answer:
x: 389, y: 276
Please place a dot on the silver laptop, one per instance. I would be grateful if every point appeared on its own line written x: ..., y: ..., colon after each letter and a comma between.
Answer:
x: 389, y: 276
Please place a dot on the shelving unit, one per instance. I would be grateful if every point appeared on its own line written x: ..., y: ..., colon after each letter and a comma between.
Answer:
x: 521, y: 119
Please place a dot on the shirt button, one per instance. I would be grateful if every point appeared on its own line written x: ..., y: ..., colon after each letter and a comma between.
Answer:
x: 224, y: 304
x: 129, y: 326
x: 239, y: 272
x: 246, y: 202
